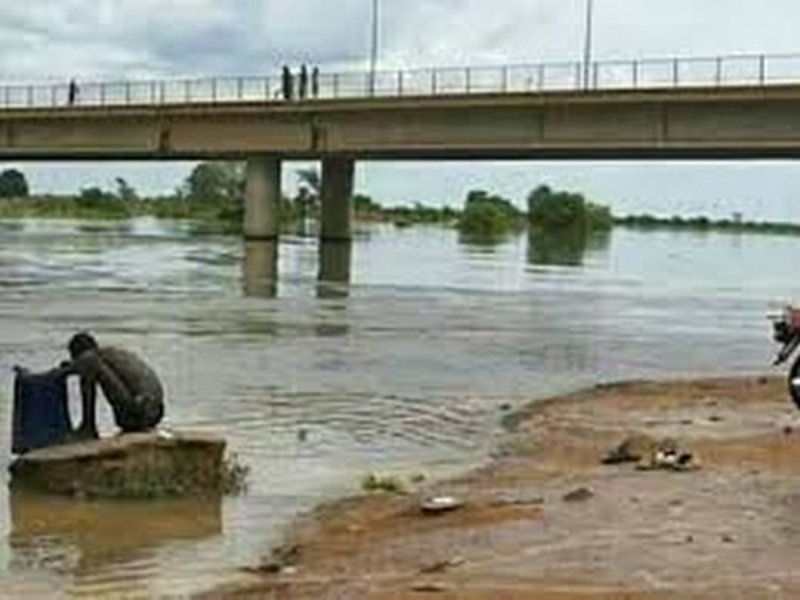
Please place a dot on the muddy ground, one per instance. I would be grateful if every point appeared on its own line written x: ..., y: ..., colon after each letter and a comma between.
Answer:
x: 728, y: 530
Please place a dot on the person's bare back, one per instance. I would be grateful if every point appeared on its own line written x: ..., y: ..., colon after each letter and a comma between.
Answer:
x: 130, y: 385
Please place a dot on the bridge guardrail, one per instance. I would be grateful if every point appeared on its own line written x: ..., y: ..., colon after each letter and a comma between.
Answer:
x: 752, y: 70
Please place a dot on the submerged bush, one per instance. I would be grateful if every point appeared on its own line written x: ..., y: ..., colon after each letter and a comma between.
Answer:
x: 487, y: 216
x: 548, y: 209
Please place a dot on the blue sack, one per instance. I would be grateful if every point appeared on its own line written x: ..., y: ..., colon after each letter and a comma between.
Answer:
x: 41, y: 414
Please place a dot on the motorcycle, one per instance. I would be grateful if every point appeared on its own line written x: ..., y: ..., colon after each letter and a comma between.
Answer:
x: 786, y: 331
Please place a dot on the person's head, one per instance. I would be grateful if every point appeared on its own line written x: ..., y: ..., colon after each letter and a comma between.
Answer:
x: 80, y: 343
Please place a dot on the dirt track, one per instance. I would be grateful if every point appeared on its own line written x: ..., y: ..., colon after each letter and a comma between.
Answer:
x: 728, y: 530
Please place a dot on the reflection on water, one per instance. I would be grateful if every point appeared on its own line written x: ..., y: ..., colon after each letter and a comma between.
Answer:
x: 484, y: 242
x: 335, y: 259
x: 112, y: 548
x: 98, y: 533
x: 403, y: 371
x: 260, y: 268
x: 565, y: 247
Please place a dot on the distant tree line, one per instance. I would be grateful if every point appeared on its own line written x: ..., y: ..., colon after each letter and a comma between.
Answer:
x: 212, y: 196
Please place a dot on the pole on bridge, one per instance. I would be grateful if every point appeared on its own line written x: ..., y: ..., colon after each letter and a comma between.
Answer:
x: 587, y: 43
x: 373, y: 60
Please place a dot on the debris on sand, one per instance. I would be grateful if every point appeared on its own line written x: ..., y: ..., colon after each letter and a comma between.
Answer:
x: 440, y: 504
x: 651, y: 453
x: 579, y: 495
x: 637, y: 447
x: 442, y: 565
x: 430, y: 588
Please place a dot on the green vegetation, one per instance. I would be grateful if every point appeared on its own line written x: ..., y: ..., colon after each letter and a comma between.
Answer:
x: 212, y: 198
x: 387, y: 484
x: 488, y: 217
x: 734, y: 225
x: 13, y: 184
x: 549, y: 210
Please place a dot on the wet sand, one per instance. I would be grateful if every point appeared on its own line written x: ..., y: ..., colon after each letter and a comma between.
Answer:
x: 730, y: 529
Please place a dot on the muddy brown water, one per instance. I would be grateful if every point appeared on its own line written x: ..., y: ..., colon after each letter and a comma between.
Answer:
x: 408, y: 373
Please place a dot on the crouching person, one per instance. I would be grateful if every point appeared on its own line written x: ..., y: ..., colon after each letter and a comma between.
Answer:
x: 129, y: 385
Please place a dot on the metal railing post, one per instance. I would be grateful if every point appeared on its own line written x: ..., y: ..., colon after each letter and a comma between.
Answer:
x: 434, y: 82
x: 468, y: 79
x: 7, y: 95
x: 399, y: 83
x: 127, y: 92
x: 541, y: 76
x: 718, y: 74
x: 762, y: 69
x: 152, y: 92
x: 267, y: 89
x: 30, y: 95
x: 239, y: 88
x: 635, y: 70
x: 187, y: 91
x: 595, y: 75
x: 504, y: 79
x: 162, y: 92
x: 579, y: 76
x: 675, y: 72
x: 335, y: 85
x: 53, y: 95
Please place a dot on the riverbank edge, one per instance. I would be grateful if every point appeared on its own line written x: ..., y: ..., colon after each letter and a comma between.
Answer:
x: 276, y: 572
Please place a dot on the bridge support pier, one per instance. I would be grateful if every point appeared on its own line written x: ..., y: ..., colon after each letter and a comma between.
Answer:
x: 337, y: 206
x: 336, y: 227
x: 262, y: 199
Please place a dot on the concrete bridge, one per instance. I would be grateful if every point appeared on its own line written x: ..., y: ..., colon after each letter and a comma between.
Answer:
x: 715, y: 108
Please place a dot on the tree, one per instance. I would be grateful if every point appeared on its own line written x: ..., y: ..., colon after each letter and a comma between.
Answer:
x: 487, y: 215
x: 13, y: 184
x: 311, y: 179
x: 125, y: 192
x: 216, y: 182
x: 548, y: 209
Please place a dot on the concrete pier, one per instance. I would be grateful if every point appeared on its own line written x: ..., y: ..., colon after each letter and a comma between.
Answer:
x: 335, y: 258
x: 262, y: 206
x: 337, y: 206
x: 260, y: 268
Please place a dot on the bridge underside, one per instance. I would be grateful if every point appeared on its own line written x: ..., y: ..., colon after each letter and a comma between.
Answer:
x: 707, y: 123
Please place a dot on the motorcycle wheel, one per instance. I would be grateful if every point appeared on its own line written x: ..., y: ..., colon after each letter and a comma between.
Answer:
x: 794, y: 382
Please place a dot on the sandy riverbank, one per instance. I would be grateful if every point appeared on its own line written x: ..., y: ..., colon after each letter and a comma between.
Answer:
x: 728, y: 530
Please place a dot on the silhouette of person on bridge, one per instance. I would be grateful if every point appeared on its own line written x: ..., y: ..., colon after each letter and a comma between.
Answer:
x: 315, y: 82
x: 72, y: 92
x: 303, y: 84
x: 131, y: 387
x: 287, y: 83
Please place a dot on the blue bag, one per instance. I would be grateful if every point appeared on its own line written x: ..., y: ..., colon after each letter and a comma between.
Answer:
x: 41, y: 414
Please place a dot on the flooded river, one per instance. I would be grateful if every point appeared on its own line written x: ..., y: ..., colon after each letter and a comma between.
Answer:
x: 407, y: 372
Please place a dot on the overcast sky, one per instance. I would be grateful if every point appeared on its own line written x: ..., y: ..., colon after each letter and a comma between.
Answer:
x: 48, y: 40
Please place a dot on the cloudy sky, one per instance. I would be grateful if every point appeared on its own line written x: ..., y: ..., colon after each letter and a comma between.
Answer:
x: 49, y: 40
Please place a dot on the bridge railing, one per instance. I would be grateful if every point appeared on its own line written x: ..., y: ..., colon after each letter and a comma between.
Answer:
x: 740, y: 70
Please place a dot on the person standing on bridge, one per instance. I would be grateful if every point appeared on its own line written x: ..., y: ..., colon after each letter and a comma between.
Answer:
x: 315, y: 82
x: 287, y: 83
x: 72, y: 92
x: 303, y: 83
x: 131, y: 387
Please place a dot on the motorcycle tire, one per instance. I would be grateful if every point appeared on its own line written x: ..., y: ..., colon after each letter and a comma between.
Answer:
x: 794, y: 382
